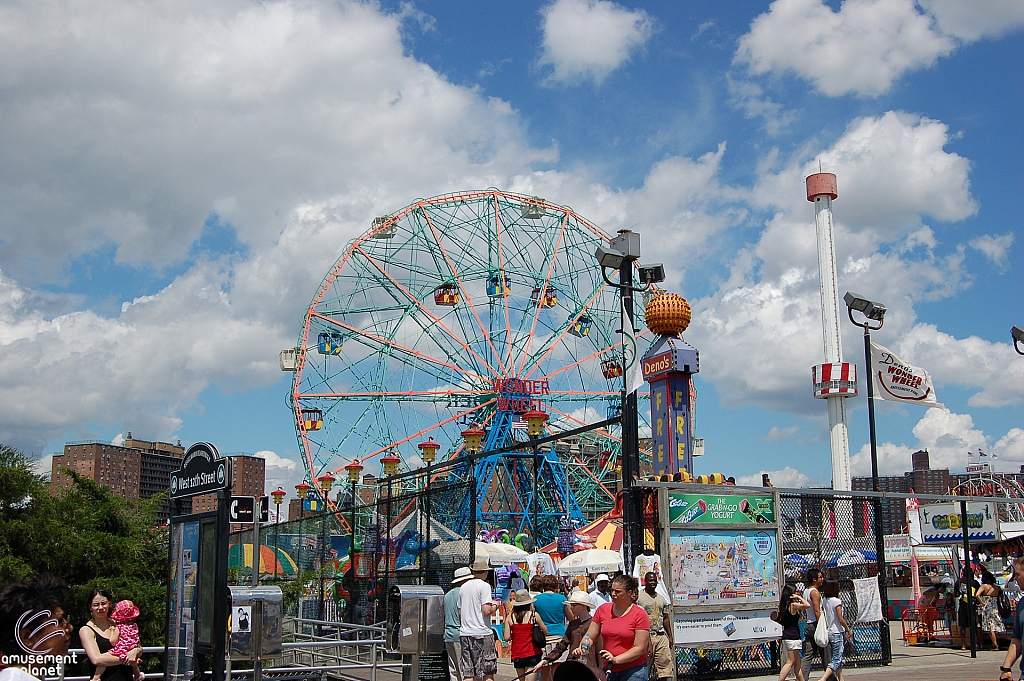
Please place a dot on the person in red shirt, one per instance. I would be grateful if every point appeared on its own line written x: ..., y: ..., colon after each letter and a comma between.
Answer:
x: 518, y: 629
x: 625, y: 631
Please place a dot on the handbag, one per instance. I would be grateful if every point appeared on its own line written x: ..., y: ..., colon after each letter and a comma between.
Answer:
x: 821, y: 630
x: 539, y: 638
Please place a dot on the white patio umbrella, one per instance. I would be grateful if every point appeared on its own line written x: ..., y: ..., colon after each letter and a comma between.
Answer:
x: 502, y: 554
x: 590, y: 561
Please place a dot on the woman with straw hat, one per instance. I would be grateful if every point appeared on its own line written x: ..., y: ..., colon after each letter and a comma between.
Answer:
x: 518, y: 631
x: 582, y: 609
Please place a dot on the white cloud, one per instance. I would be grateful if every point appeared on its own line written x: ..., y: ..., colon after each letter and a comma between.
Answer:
x: 891, y: 169
x: 43, y: 465
x: 868, y: 44
x: 971, y: 21
x: 786, y: 477
x: 761, y: 331
x: 995, y: 248
x: 1009, y: 449
x: 295, y: 123
x: 970, y: 362
x: 947, y: 436
x: 860, y: 49
x: 280, y: 471
x: 588, y: 39
x: 128, y: 124
x: 750, y: 97
x: 776, y: 433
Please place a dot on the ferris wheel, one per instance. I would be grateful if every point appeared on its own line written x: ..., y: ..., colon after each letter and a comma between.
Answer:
x: 428, y: 323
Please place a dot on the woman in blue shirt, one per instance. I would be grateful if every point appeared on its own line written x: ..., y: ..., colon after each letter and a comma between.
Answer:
x: 554, y: 610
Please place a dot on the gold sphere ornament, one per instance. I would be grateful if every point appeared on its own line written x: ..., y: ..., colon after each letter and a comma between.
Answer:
x: 668, y: 314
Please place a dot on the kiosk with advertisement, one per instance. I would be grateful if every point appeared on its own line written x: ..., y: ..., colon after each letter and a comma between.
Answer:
x: 197, y: 598
x: 721, y: 548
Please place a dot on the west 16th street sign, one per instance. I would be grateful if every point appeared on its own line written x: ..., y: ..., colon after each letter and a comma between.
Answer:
x: 241, y: 509
x: 202, y: 472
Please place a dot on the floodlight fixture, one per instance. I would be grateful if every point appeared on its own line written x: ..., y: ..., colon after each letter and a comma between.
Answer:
x: 651, y: 274
x: 871, y: 310
x: 609, y: 257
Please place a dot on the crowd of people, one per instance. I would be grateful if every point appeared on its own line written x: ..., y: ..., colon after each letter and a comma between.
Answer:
x: 616, y: 631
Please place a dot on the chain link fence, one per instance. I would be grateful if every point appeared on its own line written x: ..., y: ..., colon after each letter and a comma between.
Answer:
x: 409, y: 537
x: 420, y: 536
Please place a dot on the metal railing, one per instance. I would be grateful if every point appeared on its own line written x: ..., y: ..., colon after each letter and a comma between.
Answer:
x: 145, y: 650
x: 324, y: 649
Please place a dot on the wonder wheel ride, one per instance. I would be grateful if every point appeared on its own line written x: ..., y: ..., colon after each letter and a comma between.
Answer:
x: 989, y: 484
x: 468, y: 308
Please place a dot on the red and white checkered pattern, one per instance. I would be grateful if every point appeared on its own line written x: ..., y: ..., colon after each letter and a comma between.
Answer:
x: 835, y: 379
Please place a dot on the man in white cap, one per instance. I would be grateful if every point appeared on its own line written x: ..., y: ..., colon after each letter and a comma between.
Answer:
x: 599, y: 596
x: 476, y: 605
x: 452, y: 623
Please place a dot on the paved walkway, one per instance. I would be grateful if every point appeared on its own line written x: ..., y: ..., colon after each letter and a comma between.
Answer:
x: 909, y: 663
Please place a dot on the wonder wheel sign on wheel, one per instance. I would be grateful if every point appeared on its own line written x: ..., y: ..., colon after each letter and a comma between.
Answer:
x: 466, y: 308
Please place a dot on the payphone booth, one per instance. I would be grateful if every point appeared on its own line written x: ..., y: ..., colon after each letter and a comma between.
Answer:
x: 415, y: 628
x: 254, y: 624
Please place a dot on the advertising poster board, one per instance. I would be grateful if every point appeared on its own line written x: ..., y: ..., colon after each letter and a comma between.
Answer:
x: 721, y: 546
x: 941, y: 523
x: 184, y: 539
x: 724, y: 568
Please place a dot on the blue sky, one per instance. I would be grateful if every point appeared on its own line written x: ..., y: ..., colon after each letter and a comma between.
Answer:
x: 178, y: 178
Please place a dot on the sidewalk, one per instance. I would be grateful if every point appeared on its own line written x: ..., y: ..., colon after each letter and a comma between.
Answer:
x: 909, y: 663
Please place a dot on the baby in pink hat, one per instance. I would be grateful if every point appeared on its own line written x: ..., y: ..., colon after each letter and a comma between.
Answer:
x: 124, y: 615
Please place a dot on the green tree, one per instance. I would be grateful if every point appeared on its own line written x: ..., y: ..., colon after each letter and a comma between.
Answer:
x: 88, y: 537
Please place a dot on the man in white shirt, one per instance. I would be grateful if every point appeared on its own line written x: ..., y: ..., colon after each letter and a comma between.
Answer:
x: 599, y: 596
x: 476, y: 605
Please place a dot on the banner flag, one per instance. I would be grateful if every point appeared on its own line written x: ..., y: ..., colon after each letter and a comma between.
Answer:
x: 631, y: 356
x: 898, y: 381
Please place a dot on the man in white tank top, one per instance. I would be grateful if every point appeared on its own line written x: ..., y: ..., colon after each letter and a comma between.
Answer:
x: 815, y: 578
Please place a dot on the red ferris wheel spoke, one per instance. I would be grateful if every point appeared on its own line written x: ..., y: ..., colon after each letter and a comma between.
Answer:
x: 399, y: 346
x: 544, y: 290
x: 599, y: 431
x: 462, y: 287
x: 552, y: 344
x: 588, y: 358
x: 424, y: 431
x: 425, y: 311
x: 397, y: 393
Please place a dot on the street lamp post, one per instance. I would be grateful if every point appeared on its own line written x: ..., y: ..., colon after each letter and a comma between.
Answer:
x: 428, y: 452
x: 623, y: 251
x: 873, y: 312
x: 1018, y: 337
x: 353, y: 470
x: 302, y: 492
x: 535, y: 419
x: 325, y: 482
x: 278, y: 495
x: 474, y: 442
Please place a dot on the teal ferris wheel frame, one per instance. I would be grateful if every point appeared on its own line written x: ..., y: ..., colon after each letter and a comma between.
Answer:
x: 424, y: 322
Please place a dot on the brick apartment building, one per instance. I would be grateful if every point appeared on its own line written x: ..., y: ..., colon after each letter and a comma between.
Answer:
x: 137, y: 469
x: 923, y: 479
